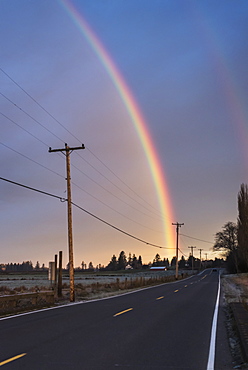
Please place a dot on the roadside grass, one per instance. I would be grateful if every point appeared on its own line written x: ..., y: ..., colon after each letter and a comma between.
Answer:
x: 235, y: 288
x: 87, y: 286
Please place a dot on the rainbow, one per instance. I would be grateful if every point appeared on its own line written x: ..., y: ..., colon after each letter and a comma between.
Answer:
x: 136, y: 117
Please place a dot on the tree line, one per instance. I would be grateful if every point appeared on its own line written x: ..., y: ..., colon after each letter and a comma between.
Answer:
x: 232, y: 240
x: 24, y: 266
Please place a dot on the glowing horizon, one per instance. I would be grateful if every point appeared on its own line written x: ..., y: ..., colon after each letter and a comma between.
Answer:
x: 137, y: 119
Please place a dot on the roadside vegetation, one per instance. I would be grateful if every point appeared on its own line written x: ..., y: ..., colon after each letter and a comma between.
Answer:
x: 232, y: 240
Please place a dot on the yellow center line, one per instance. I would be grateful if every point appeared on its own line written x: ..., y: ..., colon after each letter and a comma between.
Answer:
x: 12, y: 359
x: 160, y: 297
x: 175, y: 291
x: 120, y: 313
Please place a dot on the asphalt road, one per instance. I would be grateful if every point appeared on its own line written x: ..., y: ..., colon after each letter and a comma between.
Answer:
x: 165, y: 327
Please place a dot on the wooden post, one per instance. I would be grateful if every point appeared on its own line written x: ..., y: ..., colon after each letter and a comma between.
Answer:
x: 60, y: 275
x: 55, y: 273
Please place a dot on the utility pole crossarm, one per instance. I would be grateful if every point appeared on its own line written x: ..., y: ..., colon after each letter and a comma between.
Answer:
x: 67, y: 148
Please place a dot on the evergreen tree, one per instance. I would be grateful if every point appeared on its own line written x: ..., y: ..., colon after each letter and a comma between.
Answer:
x: 173, y: 261
x: 122, y: 261
x: 134, y: 262
x: 182, y: 263
x: 157, y: 260
x: 113, y: 265
x: 91, y: 267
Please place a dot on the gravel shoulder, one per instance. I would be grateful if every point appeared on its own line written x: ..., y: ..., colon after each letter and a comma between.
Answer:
x: 235, y: 293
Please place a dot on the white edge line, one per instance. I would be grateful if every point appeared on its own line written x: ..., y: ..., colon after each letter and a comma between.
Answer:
x: 84, y: 302
x: 211, y: 355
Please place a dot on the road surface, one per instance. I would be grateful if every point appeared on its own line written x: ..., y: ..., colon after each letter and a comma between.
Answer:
x: 164, y: 327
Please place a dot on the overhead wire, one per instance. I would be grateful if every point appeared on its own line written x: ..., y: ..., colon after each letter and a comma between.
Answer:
x: 115, y: 196
x: 132, y: 220
x: 104, y: 164
x: 84, y: 210
x: 200, y: 240
x: 64, y: 127
x: 56, y: 173
x: 32, y: 160
x: 35, y: 101
x: 108, y: 206
x: 58, y: 153
x: 17, y: 124
x: 34, y: 119
x: 116, y: 186
x: 34, y: 136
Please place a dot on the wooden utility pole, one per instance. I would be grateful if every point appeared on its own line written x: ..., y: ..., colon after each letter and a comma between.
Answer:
x: 68, y: 151
x: 192, y: 248
x: 177, y: 231
x: 200, y: 257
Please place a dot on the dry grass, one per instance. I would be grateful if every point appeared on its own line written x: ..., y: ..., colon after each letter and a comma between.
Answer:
x: 89, y: 287
x: 235, y: 288
x: 101, y: 290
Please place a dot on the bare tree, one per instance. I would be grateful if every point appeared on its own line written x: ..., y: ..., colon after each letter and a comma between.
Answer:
x: 227, y: 241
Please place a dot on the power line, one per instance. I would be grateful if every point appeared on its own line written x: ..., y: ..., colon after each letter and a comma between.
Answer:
x: 112, y: 209
x: 92, y: 196
x: 121, y: 180
x: 117, y: 187
x: 108, y: 191
x: 36, y: 190
x: 118, y: 229
x: 34, y: 100
x: 182, y: 252
x: 200, y: 240
x: 56, y: 120
x: 30, y: 159
x: 34, y: 119
x: 17, y: 124
x: 84, y: 210
x: 25, y: 130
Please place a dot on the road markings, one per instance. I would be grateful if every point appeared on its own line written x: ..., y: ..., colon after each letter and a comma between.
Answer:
x: 120, y: 313
x: 160, y: 298
x: 12, y: 359
x: 211, y: 355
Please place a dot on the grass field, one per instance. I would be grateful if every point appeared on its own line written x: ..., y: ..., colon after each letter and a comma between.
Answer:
x: 85, y: 283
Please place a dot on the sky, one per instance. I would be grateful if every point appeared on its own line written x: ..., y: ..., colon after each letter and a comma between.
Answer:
x: 156, y: 91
